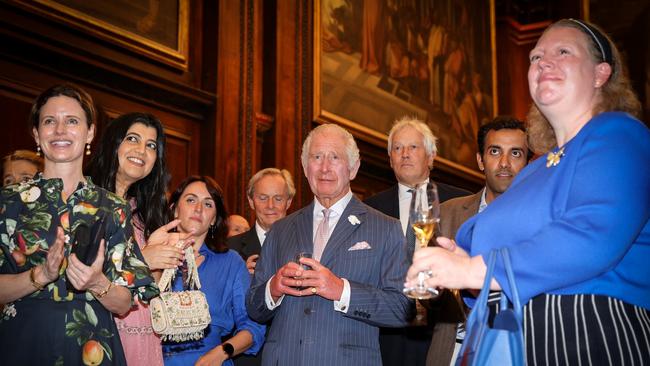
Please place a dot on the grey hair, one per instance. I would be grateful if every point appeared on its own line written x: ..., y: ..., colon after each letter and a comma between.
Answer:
x: 428, y: 138
x: 288, y: 180
x: 351, y: 149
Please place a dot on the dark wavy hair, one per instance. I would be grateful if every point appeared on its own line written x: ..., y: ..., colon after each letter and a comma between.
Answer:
x: 149, y: 192
x: 217, y: 234
x: 502, y: 122
x: 67, y: 90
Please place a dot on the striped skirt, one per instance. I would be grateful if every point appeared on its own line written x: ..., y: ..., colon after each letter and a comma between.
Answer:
x: 584, y: 330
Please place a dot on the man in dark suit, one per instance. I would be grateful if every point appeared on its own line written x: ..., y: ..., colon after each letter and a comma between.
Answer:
x: 502, y: 153
x: 270, y: 192
x: 328, y: 312
x: 412, y: 149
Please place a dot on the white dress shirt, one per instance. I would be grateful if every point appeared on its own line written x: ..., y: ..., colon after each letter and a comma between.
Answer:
x: 261, y: 233
x: 404, y: 197
x: 336, y: 210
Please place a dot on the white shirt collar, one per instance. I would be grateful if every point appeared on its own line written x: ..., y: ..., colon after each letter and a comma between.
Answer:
x: 336, y: 208
x: 483, y: 204
x: 261, y: 233
x: 404, y: 198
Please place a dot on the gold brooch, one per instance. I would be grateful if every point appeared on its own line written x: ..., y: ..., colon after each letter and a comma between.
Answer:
x: 553, y: 158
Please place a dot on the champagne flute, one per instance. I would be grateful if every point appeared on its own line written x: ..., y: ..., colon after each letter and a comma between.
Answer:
x: 424, y: 216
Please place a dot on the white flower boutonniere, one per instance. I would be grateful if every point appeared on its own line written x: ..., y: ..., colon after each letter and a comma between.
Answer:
x: 353, y: 220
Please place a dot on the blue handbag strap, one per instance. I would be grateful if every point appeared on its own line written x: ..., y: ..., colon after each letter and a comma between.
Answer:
x: 505, y: 255
x: 481, y: 301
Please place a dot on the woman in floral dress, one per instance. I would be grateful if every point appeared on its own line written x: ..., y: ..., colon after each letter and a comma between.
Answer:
x: 130, y: 161
x: 60, y: 310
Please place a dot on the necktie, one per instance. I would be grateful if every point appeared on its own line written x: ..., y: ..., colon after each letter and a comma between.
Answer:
x: 410, y: 235
x: 322, y: 233
x: 421, y: 316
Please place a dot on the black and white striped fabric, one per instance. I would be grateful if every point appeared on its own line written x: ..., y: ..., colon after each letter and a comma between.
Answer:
x: 583, y: 330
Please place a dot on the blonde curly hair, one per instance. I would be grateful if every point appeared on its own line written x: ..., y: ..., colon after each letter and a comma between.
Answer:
x: 616, y: 93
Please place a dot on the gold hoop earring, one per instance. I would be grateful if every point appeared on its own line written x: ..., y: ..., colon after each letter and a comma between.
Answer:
x: 38, y: 150
x: 87, y: 149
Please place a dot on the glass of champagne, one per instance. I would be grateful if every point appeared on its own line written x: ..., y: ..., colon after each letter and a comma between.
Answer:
x: 424, y: 216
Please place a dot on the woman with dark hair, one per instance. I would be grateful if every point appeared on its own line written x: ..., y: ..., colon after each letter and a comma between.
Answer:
x: 199, y: 205
x: 131, y: 163
x: 577, y: 222
x: 67, y: 260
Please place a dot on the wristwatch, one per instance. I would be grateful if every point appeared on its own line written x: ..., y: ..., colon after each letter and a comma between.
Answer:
x: 228, y: 349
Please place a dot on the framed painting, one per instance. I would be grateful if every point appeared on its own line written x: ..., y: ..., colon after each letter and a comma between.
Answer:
x: 376, y: 61
x: 157, y: 29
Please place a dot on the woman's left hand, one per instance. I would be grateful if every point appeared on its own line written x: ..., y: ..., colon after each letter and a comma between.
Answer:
x: 84, y: 277
x: 448, y: 264
x: 215, y: 356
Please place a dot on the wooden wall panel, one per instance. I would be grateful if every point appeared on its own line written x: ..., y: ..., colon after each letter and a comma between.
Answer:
x: 514, y: 43
x: 37, y: 52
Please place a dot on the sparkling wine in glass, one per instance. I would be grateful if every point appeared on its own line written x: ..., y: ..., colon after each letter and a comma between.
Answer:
x: 424, y: 216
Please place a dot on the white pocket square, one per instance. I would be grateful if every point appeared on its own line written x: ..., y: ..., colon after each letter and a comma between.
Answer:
x: 362, y: 245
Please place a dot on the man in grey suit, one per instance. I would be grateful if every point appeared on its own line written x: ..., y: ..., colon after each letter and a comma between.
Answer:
x: 502, y: 153
x: 328, y: 313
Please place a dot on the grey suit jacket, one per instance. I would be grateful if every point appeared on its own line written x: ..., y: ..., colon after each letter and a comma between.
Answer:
x: 453, y: 213
x: 456, y: 211
x: 307, y: 330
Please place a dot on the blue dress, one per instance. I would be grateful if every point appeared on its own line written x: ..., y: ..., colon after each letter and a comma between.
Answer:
x: 224, y: 280
x: 581, y: 227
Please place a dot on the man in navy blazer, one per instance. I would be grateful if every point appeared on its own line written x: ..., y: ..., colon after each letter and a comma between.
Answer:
x: 412, y: 150
x: 270, y: 192
x: 329, y: 312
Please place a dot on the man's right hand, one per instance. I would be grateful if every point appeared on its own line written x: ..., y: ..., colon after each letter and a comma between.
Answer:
x: 284, y: 282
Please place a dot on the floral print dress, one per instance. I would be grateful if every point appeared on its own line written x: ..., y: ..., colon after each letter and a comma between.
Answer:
x: 59, y: 325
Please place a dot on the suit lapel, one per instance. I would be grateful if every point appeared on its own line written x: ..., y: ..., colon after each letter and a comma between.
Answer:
x: 251, y: 243
x: 471, y: 206
x: 394, y: 202
x: 305, y: 229
x: 344, y: 228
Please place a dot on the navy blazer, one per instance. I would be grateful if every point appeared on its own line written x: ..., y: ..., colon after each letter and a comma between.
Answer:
x: 307, y: 330
x: 246, y: 243
x: 388, y: 201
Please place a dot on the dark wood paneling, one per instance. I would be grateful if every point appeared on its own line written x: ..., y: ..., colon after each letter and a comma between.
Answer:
x: 514, y: 43
x: 37, y: 52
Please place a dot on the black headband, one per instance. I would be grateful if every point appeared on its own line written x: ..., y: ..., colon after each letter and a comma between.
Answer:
x: 599, y: 38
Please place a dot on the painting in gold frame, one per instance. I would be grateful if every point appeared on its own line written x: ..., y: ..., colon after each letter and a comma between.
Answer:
x: 376, y: 61
x: 157, y: 29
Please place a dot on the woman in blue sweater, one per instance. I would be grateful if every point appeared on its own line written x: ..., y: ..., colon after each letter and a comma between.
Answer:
x: 576, y: 220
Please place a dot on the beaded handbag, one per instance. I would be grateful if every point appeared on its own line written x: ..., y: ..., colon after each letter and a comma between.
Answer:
x: 180, y: 316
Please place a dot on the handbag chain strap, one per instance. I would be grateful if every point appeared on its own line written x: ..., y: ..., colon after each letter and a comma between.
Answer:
x: 193, y: 279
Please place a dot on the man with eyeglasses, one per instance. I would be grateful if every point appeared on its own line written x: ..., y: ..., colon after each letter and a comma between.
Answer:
x: 269, y: 192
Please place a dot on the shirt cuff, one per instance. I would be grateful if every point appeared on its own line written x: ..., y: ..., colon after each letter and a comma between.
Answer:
x: 344, y: 303
x: 270, y: 304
